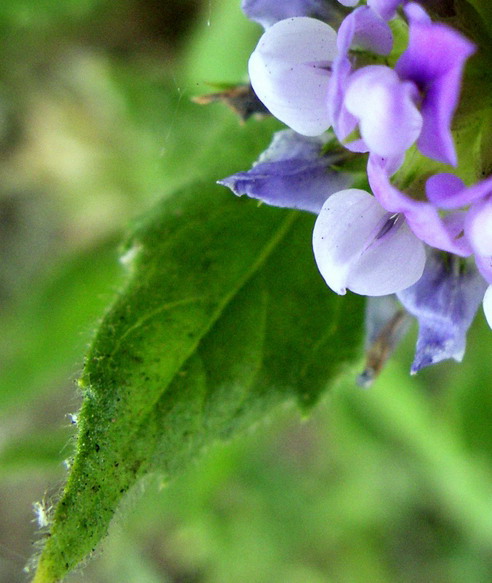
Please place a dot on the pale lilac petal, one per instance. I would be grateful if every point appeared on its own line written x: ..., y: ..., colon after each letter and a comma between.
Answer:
x: 415, y: 13
x: 422, y: 217
x: 444, y: 301
x: 343, y: 121
x: 447, y: 191
x: 364, y: 30
x: 434, y: 61
x: 293, y: 173
x: 478, y: 227
x: 268, y: 12
x: 487, y: 305
x: 389, y: 121
x: 484, y: 265
x: 289, y: 71
x: 361, y: 247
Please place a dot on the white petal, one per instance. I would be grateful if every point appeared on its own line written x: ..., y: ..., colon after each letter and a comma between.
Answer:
x: 389, y: 121
x: 479, y: 228
x: 487, y: 305
x: 351, y: 253
x: 288, y: 71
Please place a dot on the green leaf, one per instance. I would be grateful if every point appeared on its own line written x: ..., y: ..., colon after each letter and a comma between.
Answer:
x: 484, y: 10
x: 223, y: 317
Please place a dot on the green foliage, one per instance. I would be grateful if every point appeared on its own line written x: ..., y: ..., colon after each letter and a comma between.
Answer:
x: 391, y: 484
x: 47, y: 332
x: 223, y: 317
x: 483, y: 8
x: 27, y: 14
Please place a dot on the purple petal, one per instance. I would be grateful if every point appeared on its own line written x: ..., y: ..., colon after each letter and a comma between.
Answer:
x: 434, y: 61
x: 289, y: 71
x: 444, y: 301
x: 422, y: 217
x: 365, y: 30
x: 447, y: 191
x: 389, y: 121
x: 359, y: 246
x: 268, y: 12
x: 291, y: 173
x: 343, y: 121
x: 440, y: 188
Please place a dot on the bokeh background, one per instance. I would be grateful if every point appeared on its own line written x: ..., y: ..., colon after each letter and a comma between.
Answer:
x: 391, y: 484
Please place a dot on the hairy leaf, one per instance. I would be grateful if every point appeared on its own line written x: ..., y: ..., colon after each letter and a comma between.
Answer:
x: 223, y: 317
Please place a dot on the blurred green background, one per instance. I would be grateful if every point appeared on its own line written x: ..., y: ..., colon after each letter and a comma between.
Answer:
x: 96, y: 123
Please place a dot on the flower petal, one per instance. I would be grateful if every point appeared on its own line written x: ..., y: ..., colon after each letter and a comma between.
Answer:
x: 365, y: 30
x: 484, y: 265
x: 289, y: 71
x: 359, y: 246
x: 444, y: 301
x: 447, y: 191
x: 478, y: 226
x: 293, y: 173
x: 361, y: 29
x: 422, y: 217
x: 268, y: 12
x: 434, y: 61
x: 389, y: 121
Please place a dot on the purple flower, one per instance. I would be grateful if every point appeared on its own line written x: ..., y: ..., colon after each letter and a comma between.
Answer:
x: 434, y: 62
x: 478, y: 227
x: 419, y: 97
x: 293, y: 173
x: 447, y: 191
x: 359, y: 246
x: 290, y: 72
x: 367, y: 32
x: 387, y: 242
x: 384, y: 8
x: 268, y: 12
x: 444, y: 301
x: 378, y: 98
x: 445, y: 233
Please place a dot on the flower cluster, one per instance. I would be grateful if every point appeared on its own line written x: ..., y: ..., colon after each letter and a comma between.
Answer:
x: 381, y: 82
